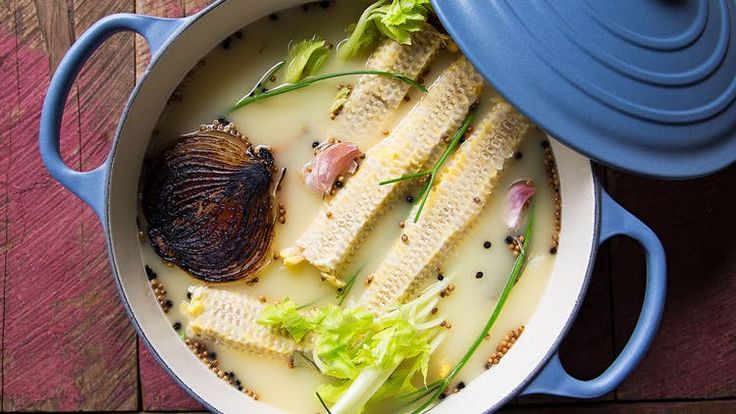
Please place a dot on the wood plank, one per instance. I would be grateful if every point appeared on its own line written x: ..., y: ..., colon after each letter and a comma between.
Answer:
x: 193, y: 6
x: 161, y: 8
x: 56, y: 24
x: 43, y: 255
x: 694, y: 354
x: 9, y: 103
x: 158, y: 391
x: 686, y: 407
x: 61, y: 311
x: 104, y: 85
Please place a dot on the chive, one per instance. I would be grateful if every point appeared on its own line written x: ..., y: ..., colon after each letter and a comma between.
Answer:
x: 421, y: 392
x: 321, y: 401
x: 343, y: 293
x: 434, y: 171
x: 259, y: 88
x: 510, y: 282
x: 288, y: 87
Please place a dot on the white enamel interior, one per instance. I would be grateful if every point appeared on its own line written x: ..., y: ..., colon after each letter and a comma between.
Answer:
x: 543, y: 332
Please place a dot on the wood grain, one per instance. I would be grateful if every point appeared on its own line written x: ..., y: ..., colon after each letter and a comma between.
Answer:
x: 193, y: 6
x: 158, y: 391
x: 160, y: 8
x: 10, y: 105
x: 694, y: 354
x: 67, y: 345
x: 104, y: 85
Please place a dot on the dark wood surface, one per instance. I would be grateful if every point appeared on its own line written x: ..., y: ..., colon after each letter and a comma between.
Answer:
x: 67, y: 344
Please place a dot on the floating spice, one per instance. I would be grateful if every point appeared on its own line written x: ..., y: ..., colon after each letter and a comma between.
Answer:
x: 211, y: 361
x: 508, y: 341
x: 553, y: 179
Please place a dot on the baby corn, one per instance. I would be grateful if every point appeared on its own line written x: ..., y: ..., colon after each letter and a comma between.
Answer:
x: 231, y: 319
x: 458, y: 197
x: 374, y: 98
x: 338, y: 230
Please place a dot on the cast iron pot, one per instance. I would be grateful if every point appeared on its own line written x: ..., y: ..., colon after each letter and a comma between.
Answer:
x: 589, y: 217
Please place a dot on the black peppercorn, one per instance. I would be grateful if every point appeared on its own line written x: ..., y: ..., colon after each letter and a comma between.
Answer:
x: 315, y: 144
x: 487, y: 245
x: 508, y: 239
x: 150, y: 273
x: 479, y: 275
x: 177, y: 326
x: 440, y: 277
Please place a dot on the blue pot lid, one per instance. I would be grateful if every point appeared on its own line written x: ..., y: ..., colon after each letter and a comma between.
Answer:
x: 647, y: 86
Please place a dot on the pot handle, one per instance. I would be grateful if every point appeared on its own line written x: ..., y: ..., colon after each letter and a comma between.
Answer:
x: 553, y: 379
x: 90, y: 185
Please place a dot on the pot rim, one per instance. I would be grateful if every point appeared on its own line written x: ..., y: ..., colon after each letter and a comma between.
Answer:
x: 188, y: 23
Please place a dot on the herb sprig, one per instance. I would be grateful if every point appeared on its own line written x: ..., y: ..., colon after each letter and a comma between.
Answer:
x: 321, y: 401
x: 438, y: 387
x: 434, y: 171
x: 342, y: 293
x: 255, y: 96
x: 305, y: 58
x: 397, y: 20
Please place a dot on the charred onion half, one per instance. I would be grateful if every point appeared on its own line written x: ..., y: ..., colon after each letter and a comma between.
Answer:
x: 208, y: 204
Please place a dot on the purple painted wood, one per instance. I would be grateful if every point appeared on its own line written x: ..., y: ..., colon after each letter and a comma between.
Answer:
x: 694, y: 355
x: 67, y: 343
x: 9, y: 102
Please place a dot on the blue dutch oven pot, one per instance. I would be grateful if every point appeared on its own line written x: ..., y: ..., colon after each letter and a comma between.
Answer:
x: 617, y: 104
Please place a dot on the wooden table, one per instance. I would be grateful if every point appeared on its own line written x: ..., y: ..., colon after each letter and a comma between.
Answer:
x: 68, y: 345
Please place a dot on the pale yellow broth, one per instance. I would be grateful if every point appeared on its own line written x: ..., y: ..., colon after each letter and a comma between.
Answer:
x: 289, y: 124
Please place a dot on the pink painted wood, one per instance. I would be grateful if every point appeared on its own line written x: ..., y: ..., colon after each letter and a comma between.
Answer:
x: 67, y: 344
x: 9, y: 102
